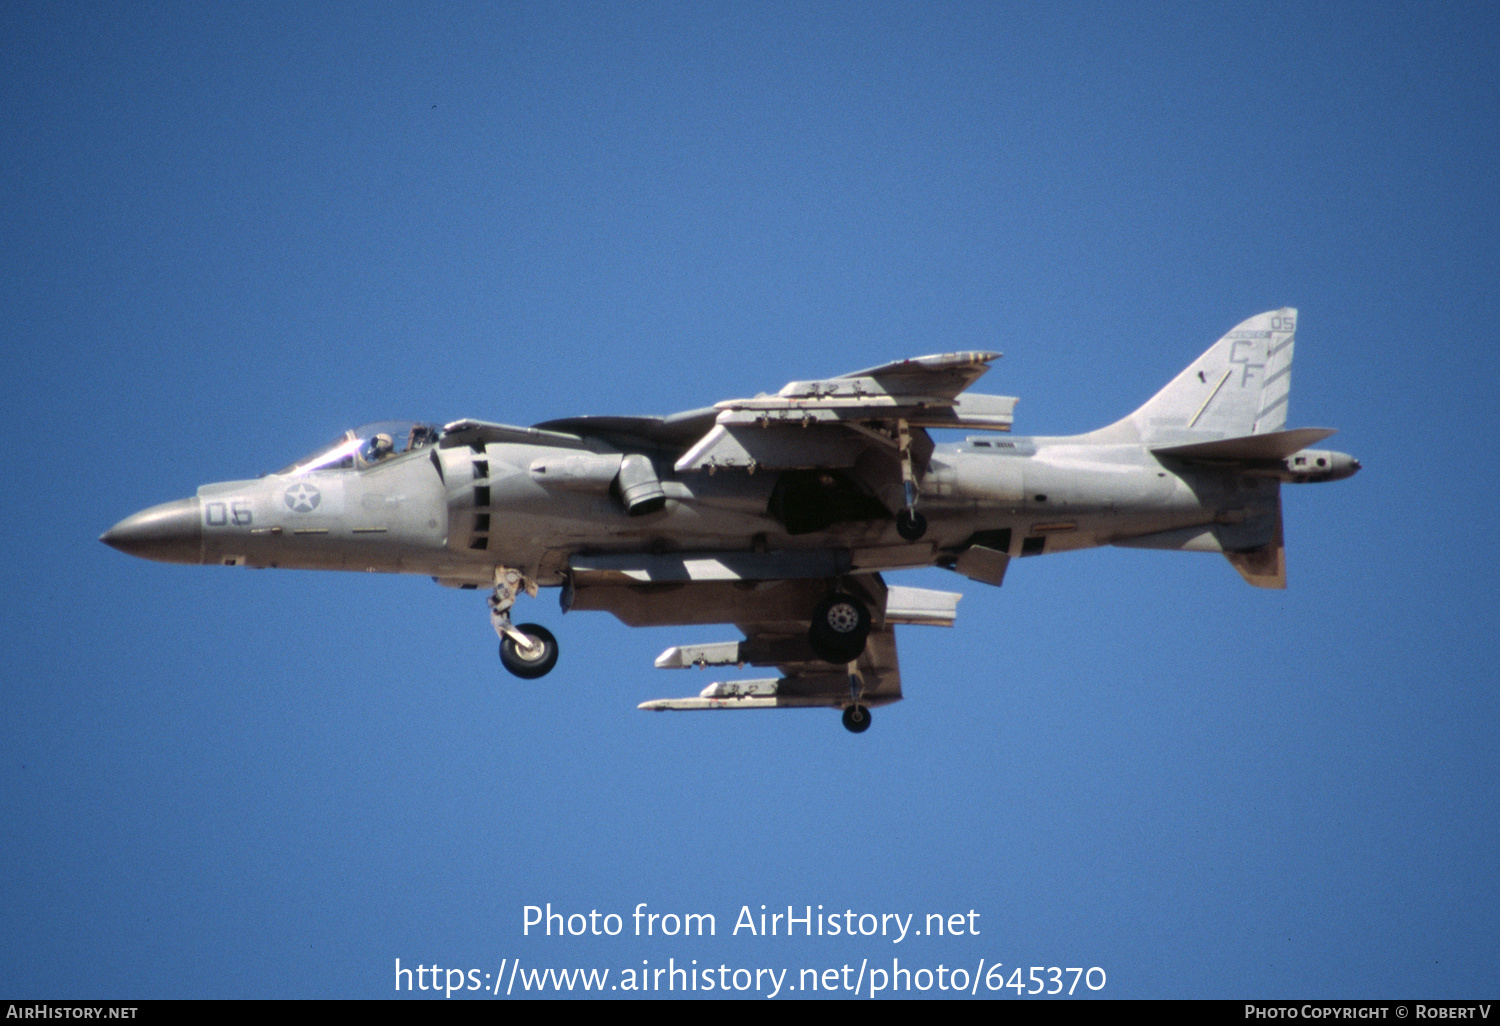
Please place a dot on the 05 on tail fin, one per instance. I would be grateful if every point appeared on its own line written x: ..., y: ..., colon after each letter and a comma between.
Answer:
x: 1238, y: 387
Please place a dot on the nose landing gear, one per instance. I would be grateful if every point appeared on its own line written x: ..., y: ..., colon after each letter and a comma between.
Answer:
x: 534, y: 659
x: 528, y: 651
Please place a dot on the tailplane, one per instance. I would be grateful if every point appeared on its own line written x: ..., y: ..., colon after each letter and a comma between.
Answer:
x: 1226, y: 415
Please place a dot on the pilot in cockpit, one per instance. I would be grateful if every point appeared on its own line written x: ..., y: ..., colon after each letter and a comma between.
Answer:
x: 380, y: 446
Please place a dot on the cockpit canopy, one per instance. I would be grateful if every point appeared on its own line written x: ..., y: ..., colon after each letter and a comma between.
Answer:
x: 366, y: 446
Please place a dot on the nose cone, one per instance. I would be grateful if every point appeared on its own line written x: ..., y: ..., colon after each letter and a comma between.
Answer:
x: 169, y: 533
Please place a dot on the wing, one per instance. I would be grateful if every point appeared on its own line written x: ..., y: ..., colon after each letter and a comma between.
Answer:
x: 829, y: 423
x: 672, y: 435
x: 480, y: 433
x: 849, y: 413
x: 771, y: 598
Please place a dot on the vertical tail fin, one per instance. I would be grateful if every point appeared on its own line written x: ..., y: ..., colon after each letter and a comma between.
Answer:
x: 1238, y: 387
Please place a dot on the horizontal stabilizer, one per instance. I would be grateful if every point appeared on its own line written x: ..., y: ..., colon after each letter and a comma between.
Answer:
x: 1275, y: 445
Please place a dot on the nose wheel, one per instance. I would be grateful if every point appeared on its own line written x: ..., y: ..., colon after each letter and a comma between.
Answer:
x: 534, y: 659
x: 528, y: 651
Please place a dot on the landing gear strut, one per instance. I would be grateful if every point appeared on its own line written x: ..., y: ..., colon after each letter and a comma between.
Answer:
x: 530, y: 650
x: 910, y: 524
x: 856, y: 714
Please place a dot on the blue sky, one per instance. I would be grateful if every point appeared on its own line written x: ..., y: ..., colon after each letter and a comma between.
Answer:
x: 232, y: 231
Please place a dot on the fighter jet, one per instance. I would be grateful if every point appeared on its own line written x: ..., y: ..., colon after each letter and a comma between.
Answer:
x: 778, y: 514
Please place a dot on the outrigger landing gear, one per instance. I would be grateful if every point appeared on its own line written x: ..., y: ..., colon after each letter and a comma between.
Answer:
x: 856, y: 714
x: 910, y: 524
x: 856, y: 719
x: 530, y: 650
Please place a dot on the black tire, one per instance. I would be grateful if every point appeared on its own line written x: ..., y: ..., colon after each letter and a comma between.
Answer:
x: 840, y: 625
x: 856, y: 719
x: 910, y: 524
x: 538, y: 665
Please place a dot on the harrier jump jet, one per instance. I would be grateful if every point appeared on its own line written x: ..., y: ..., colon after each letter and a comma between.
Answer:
x: 778, y: 514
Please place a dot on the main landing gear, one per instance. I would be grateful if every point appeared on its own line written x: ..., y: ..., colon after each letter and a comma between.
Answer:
x: 840, y: 625
x: 528, y: 651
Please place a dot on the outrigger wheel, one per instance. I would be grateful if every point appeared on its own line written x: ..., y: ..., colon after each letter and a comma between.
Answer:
x: 910, y: 524
x: 840, y: 625
x: 533, y: 662
x: 856, y: 719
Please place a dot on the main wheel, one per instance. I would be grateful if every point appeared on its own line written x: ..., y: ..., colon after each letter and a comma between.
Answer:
x: 856, y: 719
x: 910, y: 524
x: 534, y: 662
x: 840, y: 625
